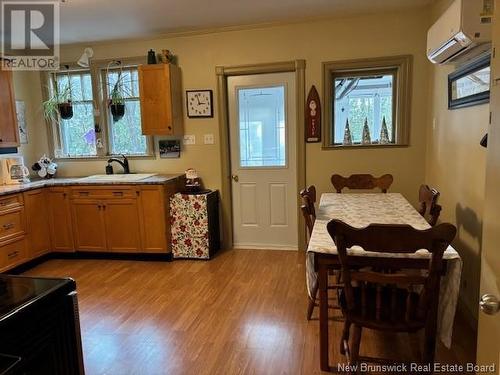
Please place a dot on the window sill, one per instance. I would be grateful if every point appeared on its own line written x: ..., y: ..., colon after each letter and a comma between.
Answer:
x: 340, y: 147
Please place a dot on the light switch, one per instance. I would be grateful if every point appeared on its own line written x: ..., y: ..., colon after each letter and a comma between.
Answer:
x: 209, y: 139
x: 189, y: 140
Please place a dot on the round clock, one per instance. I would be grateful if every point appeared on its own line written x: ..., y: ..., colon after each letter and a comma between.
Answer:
x: 199, y: 103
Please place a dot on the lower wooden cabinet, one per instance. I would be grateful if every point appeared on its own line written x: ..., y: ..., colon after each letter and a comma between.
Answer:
x: 107, y: 218
x: 121, y: 218
x: 88, y: 225
x: 61, y: 230
x: 35, y: 202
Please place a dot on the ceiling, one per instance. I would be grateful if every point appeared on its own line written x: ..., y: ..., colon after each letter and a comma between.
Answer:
x: 97, y: 20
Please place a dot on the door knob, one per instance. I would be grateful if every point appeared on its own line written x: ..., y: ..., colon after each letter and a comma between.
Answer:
x: 235, y: 177
x: 489, y: 304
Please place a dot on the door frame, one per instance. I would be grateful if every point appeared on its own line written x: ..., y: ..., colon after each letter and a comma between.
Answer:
x: 223, y: 73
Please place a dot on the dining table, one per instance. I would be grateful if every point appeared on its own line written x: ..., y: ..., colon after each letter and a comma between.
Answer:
x: 360, y: 210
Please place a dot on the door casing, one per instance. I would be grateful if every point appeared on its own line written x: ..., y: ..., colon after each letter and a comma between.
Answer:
x: 223, y: 72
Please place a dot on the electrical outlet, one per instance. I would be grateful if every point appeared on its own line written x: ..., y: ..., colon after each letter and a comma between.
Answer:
x: 208, y: 139
x: 189, y: 140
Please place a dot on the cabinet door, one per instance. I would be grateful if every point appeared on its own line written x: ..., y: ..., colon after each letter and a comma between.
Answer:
x: 161, y: 99
x: 35, y: 202
x: 121, y: 218
x: 61, y: 233
x: 9, y: 135
x: 153, y: 219
x: 88, y: 225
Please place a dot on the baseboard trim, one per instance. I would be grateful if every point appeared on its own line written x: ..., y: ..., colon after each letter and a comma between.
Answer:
x: 267, y: 247
x: 89, y: 255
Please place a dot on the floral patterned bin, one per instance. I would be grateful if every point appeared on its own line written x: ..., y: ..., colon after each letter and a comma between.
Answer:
x: 195, y: 224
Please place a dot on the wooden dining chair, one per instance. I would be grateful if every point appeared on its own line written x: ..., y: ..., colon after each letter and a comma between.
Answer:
x: 429, y: 208
x: 362, y: 181
x: 308, y: 196
x: 397, y: 301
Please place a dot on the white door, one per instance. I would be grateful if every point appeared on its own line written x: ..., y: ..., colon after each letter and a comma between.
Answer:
x: 263, y: 161
x: 488, y: 345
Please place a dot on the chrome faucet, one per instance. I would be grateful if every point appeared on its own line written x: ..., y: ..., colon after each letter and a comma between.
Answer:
x: 123, y: 163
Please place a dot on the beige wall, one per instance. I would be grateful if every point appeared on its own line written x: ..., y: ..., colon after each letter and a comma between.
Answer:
x: 334, y: 39
x: 456, y: 166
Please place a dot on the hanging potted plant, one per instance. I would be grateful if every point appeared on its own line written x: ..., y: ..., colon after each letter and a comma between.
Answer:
x: 116, y: 101
x: 59, y: 105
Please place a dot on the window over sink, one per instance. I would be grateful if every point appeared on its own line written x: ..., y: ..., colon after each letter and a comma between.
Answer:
x: 94, y: 131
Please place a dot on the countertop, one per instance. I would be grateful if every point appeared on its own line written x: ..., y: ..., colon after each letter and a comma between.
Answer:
x: 35, y: 184
x: 17, y: 292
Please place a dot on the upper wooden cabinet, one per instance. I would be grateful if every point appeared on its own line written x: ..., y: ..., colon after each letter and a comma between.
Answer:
x: 9, y: 133
x: 161, y: 99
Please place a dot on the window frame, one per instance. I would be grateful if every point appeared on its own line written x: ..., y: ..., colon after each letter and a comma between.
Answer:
x: 401, y: 66
x: 97, y: 70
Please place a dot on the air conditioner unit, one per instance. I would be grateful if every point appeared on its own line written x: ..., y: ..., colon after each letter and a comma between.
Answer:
x: 463, y: 26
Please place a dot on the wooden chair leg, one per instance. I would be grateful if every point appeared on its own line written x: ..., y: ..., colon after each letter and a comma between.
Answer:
x: 323, y: 318
x: 312, y: 302
x: 356, y: 341
x: 430, y: 339
x: 345, y: 337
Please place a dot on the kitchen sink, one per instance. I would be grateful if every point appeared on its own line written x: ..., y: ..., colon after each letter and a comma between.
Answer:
x: 132, y: 177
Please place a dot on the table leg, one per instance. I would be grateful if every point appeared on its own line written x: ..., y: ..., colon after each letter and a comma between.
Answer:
x: 323, y: 317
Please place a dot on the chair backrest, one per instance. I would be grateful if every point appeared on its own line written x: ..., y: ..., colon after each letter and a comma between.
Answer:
x: 429, y: 208
x: 362, y: 181
x: 308, y: 196
x: 390, y: 238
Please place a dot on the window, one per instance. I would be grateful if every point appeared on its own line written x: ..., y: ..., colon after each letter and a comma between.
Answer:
x: 367, y: 102
x: 77, y: 133
x: 92, y: 131
x: 125, y: 135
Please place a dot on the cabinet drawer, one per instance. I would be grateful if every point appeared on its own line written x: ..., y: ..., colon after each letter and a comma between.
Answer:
x: 11, y: 201
x: 104, y: 192
x: 11, y: 224
x: 12, y: 254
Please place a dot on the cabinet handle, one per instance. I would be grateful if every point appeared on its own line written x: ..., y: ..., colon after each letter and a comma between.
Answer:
x: 137, y: 193
x: 104, y: 207
x: 118, y: 193
x: 64, y: 195
x: 84, y: 193
x: 99, y: 207
x: 13, y: 254
x: 8, y: 226
x: 4, y: 203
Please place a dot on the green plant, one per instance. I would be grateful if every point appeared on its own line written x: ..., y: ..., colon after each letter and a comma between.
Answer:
x: 118, y: 92
x: 51, y: 106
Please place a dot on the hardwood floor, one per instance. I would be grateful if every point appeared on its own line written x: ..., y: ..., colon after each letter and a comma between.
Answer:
x: 244, y: 312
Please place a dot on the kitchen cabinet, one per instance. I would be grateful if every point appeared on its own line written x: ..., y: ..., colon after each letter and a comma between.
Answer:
x: 9, y: 133
x: 61, y: 230
x: 121, y: 217
x: 38, y: 228
x: 153, y: 205
x: 161, y: 99
x: 13, y: 243
x: 88, y: 225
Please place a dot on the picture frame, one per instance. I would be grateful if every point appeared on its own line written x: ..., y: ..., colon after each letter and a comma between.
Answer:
x: 199, y: 103
x: 470, y: 85
x: 169, y: 148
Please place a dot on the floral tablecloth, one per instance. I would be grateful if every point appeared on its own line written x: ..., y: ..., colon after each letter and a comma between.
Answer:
x: 360, y: 210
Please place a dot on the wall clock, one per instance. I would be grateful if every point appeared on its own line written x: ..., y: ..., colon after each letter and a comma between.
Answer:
x: 199, y: 103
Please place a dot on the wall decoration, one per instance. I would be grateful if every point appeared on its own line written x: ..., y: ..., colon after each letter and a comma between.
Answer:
x: 199, y: 103
x: 470, y: 84
x: 313, y: 116
x: 21, y: 121
x: 170, y: 148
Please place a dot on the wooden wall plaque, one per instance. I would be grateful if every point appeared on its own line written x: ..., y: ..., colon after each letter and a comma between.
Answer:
x: 313, y: 116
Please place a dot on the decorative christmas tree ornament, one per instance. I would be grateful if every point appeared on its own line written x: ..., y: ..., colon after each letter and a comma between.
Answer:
x: 347, y: 134
x: 366, y: 140
x: 384, y: 134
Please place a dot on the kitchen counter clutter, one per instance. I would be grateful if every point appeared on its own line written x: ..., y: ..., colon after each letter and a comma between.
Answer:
x: 85, y: 215
x: 39, y: 326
